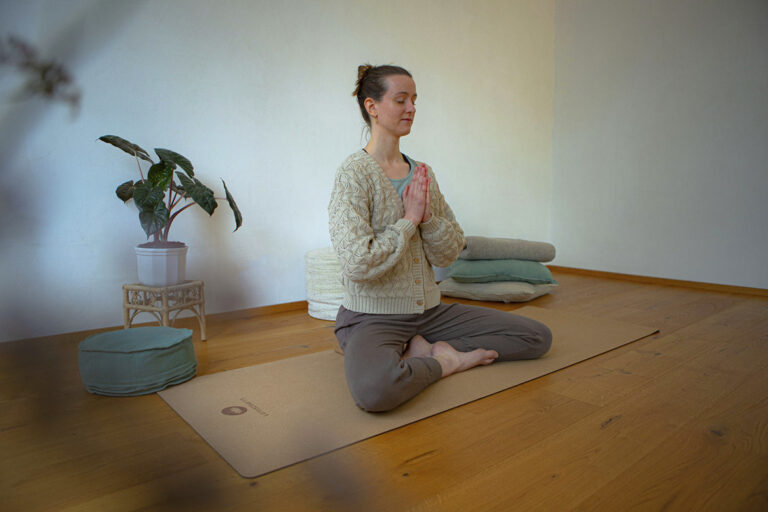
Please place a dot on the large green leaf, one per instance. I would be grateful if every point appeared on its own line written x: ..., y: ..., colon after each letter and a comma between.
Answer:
x: 201, y: 194
x: 153, y: 219
x: 125, y: 191
x: 166, y: 155
x: 146, y: 196
x: 233, y: 205
x: 160, y: 175
x: 129, y: 147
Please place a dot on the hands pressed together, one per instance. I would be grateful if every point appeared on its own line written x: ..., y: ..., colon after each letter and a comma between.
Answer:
x: 416, y: 199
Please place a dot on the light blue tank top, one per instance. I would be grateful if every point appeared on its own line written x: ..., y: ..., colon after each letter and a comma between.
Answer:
x: 403, y: 182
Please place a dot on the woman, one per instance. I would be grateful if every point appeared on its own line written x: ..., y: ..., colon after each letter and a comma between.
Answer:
x: 389, y: 223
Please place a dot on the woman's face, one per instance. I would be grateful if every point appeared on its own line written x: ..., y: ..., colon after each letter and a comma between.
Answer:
x: 397, y: 108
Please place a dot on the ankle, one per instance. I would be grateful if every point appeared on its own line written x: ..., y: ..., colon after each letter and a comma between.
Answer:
x: 447, y: 357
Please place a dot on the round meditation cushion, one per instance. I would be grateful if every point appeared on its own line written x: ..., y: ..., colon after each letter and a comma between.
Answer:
x: 323, y: 280
x: 136, y: 361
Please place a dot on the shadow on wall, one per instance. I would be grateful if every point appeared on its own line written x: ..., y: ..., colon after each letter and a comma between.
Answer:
x: 32, y: 372
x: 37, y: 78
x: 223, y: 268
x: 70, y: 46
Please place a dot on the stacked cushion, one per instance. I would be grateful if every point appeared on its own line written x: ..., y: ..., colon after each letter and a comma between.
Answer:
x: 485, y: 248
x: 500, y: 269
x: 136, y: 361
x: 488, y: 271
x: 498, y: 291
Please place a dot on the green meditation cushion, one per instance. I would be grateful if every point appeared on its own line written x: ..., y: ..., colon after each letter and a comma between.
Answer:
x: 136, y: 361
x: 488, y: 271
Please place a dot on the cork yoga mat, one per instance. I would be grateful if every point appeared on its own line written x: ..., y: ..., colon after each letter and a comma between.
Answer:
x: 268, y: 416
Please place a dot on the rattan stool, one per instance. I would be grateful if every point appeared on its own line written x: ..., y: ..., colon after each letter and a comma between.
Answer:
x: 161, y: 301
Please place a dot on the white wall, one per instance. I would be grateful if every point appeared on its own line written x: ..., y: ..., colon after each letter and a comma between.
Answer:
x: 257, y: 93
x: 660, y: 152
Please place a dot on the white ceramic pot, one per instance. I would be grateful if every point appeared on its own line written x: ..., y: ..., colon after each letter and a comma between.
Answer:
x: 162, y: 265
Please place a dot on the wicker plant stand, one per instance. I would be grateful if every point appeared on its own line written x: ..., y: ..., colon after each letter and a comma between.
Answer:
x: 164, y: 302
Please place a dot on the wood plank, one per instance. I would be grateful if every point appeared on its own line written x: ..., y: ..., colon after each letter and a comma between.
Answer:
x: 749, y: 290
x: 709, y: 464
x: 677, y: 419
x: 572, y: 464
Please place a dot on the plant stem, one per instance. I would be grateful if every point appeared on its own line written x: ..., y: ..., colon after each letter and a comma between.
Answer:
x: 170, y: 206
x: 139, y: 165
x: 178, y: 212
x: 176, y: 198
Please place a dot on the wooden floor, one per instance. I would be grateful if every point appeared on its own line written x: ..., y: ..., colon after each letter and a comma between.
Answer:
x: 677, y: 421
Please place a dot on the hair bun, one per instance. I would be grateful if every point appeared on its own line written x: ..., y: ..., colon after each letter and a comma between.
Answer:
x: 362, y: 71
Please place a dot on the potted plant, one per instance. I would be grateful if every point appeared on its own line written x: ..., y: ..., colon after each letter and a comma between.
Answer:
x: 161, y: 197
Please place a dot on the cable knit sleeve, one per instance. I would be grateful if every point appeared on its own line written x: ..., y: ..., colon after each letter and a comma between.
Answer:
x: 443, y: 237
x: 365, y: 252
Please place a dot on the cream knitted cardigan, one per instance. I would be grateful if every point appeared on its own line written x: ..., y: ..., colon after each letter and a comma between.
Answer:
x: 385, y: 259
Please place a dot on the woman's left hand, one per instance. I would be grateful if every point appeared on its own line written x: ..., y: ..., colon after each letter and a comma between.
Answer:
x: 421, y: 173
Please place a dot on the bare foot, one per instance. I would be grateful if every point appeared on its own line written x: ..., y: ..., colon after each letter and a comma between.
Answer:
x: 418, y: 347
x: 452, y: 361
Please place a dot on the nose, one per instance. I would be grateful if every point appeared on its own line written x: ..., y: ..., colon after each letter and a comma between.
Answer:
x: 410, y: 106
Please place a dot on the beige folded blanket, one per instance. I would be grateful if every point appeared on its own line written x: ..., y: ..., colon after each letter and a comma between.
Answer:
x: 485, y: 248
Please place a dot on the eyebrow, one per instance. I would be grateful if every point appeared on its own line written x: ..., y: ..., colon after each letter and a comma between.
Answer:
x: 403, y: 92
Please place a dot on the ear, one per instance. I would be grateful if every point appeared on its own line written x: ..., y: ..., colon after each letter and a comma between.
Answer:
x: 370, y: 107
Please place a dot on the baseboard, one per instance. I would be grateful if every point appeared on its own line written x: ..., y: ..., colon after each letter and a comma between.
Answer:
x: 226, y: 315
x: 261, y: 310
x: 762, y: 292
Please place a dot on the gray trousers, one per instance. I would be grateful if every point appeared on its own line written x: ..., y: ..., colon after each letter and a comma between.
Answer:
x: 373, y: 345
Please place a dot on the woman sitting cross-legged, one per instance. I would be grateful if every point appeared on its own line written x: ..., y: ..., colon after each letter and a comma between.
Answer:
x: 388, y: 224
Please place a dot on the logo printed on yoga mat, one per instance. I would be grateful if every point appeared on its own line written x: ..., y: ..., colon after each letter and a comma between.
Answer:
x: 235, y: 410
x: 254, y: 407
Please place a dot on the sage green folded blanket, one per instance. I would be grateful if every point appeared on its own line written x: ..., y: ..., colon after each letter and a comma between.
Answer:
x: 485, y: 248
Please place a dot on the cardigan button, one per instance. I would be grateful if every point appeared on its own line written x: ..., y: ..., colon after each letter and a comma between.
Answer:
x: 418, y: 281
x: 415, y: 260
x: 419, y: 302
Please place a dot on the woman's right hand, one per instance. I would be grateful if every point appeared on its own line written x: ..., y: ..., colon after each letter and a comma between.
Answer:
x: 415, y: 198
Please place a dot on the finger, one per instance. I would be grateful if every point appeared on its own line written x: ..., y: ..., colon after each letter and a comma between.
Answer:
x: 424, y: 184
x: 416, y: 184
